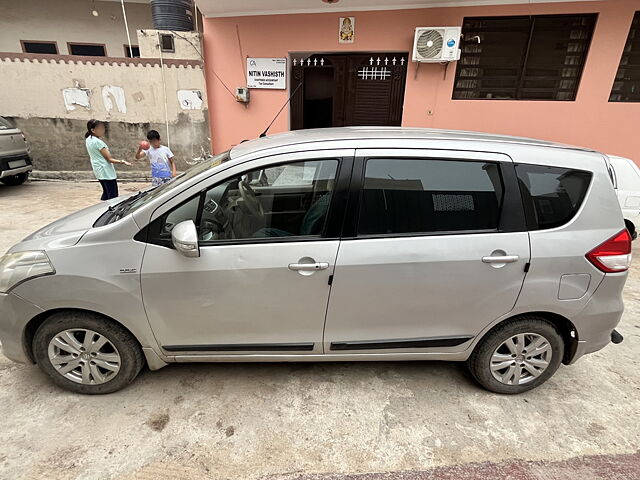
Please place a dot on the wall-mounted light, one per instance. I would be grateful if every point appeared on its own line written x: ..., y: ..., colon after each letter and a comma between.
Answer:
x: 94, y: 12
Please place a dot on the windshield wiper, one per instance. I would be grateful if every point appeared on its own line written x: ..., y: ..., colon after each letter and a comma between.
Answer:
x: 119, y: 208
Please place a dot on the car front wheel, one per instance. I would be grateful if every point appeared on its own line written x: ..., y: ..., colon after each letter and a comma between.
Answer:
x: 517, y: 356
x: 87, y: 353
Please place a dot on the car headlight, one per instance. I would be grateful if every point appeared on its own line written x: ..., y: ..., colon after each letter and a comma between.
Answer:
x: 18, y: 267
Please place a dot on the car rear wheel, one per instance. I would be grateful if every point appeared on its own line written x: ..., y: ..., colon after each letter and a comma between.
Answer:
x: 87, y: 353
x: 13, y: 180
x: 517, y: 356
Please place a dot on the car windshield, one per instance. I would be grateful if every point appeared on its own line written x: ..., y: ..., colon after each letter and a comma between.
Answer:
x: 134, y: 202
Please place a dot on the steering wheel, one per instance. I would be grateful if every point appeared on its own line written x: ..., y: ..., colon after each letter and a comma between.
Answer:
x: 250, y: 200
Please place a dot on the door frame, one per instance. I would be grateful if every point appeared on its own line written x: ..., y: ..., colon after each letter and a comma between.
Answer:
x: 299, y: 96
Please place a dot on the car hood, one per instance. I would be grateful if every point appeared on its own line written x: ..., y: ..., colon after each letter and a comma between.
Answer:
x: 64, y: 232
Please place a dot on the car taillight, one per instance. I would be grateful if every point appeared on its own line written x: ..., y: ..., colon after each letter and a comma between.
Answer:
x: 614, y: 255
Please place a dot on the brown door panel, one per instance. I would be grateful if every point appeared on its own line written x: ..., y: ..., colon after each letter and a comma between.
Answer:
x: 368, y: 89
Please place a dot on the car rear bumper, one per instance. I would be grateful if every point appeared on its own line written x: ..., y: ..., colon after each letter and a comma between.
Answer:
x: 599, y: 318
x: 14, y: 165
x: 15, y: 313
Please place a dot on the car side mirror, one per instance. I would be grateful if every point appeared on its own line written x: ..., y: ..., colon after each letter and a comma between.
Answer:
x: 184, y: 237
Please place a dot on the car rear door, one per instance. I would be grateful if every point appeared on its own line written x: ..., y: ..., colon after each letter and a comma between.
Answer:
x: 436, y: 249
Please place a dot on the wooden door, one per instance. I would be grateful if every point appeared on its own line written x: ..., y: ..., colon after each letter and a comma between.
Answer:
x: 375, y: 89
x: 367, y: 89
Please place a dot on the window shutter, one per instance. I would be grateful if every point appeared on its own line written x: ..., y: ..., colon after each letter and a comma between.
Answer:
x: 626, y: 87
x: 523, y: 58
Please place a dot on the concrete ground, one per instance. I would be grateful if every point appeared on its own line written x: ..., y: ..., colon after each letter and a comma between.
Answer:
x: 357, y: 421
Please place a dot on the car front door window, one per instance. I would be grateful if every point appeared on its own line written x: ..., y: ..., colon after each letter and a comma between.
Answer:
x: 283, y: 201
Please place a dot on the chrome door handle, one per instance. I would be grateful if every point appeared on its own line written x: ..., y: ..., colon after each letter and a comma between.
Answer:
x: 501, y: 259
x: 308, y: 267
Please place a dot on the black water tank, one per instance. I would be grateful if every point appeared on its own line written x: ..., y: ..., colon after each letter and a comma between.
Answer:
x: 172, y: 15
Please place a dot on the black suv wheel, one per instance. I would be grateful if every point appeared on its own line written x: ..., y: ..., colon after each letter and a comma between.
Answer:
x: 13, y: 180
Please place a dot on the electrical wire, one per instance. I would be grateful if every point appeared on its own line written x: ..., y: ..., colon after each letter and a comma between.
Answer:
x: 242, y: 65
x: 203, y: 61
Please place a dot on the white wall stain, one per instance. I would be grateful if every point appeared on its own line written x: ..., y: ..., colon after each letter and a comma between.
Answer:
x: 190, y: 99
x: 76, y: 97
x: 111, y: 94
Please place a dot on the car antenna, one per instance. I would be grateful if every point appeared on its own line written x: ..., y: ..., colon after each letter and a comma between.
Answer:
x: 264, y: 134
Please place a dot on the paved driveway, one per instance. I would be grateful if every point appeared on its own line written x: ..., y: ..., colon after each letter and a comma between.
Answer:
x: 414, y: 420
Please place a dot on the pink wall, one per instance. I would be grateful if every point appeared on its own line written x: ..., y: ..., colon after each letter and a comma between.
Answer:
x: 589, y: 121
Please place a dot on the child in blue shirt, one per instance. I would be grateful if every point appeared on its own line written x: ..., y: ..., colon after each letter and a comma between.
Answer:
x: 161, y: 159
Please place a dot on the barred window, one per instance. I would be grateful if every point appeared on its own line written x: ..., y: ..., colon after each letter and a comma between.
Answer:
x: 523, y: 58
x: 626, y: 86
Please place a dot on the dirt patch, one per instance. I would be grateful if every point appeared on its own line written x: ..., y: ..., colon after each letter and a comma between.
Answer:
x: 158, y: 421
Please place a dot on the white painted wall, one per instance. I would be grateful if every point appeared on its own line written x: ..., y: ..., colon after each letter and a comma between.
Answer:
x: 70, y: 21
x: 188, y: 45
x: 60, y: 89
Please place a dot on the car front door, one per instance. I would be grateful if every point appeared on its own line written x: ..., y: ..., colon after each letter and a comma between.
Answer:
x: 268, y: 240
x: 437, y: 252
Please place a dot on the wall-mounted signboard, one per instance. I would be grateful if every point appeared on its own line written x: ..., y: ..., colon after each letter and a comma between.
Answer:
x: 267, y: 73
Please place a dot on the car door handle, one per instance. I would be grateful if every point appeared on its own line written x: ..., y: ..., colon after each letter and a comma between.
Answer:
x: 501, y: 259
x: 308, y: 267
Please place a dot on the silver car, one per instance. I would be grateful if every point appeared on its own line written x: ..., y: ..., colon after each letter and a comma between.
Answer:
x: 338, y: 244
x: 15, y: 162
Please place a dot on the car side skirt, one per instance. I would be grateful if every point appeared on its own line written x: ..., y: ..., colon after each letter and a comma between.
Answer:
x: 327, y: 357
x: 430, y: 342
x: 243, y: 347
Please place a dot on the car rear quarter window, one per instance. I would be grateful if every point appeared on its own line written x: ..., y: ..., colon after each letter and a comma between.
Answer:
x: 551, y: 195
x: 401, y: 196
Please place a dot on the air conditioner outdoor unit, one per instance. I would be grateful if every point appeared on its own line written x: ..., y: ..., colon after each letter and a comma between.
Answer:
x: 436, y: 44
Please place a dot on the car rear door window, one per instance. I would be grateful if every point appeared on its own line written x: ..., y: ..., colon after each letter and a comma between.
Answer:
x: 401, y: 196
x: 551, y: 195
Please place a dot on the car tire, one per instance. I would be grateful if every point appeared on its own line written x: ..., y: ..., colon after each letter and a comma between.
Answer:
x: 501, y: 363
x: 87, y: 353
x: 14, y: 180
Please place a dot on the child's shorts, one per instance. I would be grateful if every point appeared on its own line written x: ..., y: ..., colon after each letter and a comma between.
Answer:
x: 155, y: 181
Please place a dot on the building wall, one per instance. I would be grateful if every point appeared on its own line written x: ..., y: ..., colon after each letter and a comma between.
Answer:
x: 589, y: 121
x: 188, y: 45
x: 70, y: 21
x: 128, y: 93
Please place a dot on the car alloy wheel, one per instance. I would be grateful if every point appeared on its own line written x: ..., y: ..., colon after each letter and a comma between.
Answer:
x: 521, y: 359
x: 84, y: 356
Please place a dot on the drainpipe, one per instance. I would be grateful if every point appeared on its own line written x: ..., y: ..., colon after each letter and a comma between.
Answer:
x: 164, y: 88
x: 126, y: 26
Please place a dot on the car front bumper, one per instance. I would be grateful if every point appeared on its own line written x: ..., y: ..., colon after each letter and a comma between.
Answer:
x: 15, y: 313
